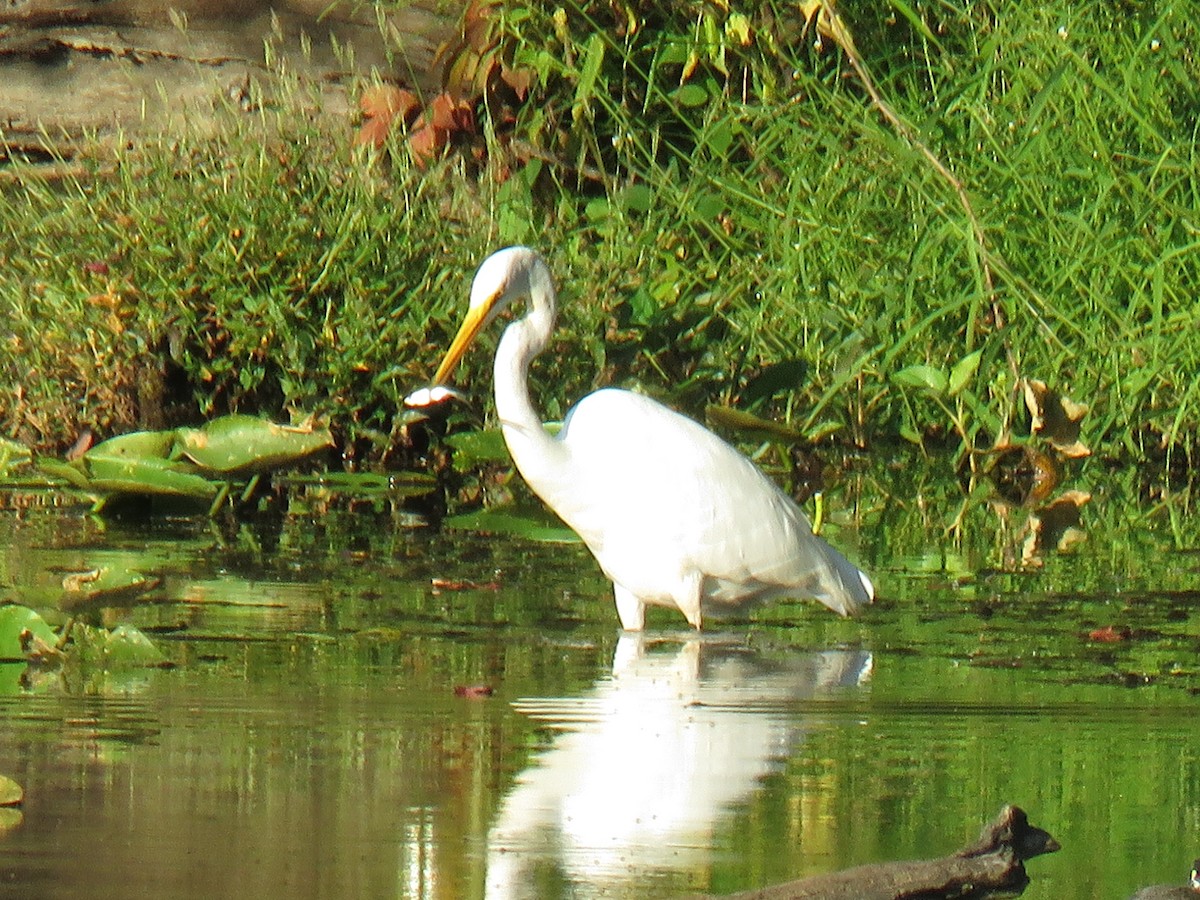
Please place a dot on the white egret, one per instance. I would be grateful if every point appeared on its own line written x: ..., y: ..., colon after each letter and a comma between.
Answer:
x: 673, y: 514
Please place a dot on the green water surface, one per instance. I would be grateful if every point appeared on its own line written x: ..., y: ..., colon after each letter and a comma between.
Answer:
x: 327, y: 730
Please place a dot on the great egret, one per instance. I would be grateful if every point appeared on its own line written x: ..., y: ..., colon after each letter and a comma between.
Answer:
x: 673, y: 514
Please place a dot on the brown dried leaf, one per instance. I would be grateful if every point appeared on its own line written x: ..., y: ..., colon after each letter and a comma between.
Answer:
x: 427, y: 143
x: 388, y: 101
x: 829, y: 23
x: 473, y: 691
x: 1110, y: 634
x: 520, y: 80
x: 1055, y: 418
x: 382, y: 106
x: 450, y: 115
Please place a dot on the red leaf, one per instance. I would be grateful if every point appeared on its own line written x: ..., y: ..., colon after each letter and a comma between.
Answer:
x: 1110, y: 634
x: 382, y: 105
x: 473, y: 691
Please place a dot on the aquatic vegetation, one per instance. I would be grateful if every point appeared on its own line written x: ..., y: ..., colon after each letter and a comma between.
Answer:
x: 188, y: 463
x: 742, y: 198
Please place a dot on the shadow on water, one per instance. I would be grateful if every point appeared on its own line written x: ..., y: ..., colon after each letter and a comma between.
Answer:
x: 309, y: 739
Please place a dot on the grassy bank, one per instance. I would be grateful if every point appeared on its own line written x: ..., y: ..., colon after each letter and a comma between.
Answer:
x: 731, y: 215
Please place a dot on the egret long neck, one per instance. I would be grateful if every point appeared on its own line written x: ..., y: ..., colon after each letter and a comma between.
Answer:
x: 537, y: 455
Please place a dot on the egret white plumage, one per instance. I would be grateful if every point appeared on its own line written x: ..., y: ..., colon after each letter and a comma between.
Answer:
x: 674, y: 515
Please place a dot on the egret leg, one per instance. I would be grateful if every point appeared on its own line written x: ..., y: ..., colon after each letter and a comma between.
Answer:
x: 688, y: 598
x: 631, y: 610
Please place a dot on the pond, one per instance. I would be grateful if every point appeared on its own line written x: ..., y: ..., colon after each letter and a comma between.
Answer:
x: 360, y: 705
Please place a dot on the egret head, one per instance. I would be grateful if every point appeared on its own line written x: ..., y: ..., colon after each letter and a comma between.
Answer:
x: 502, y: 278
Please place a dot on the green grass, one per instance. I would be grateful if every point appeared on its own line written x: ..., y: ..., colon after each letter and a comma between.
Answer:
x: 760, y: 236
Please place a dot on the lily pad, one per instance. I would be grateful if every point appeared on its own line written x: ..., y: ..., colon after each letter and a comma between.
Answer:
x: 143, y: 445
x: 16, y: 621
x: 10, y: 818
x: 106, y: 585
x: 365, y: 484
x: 134, y: 475
x: 246, y: 444
x: 11, y: 793
x: 71, y: 473
x: 508, y: 521
x: 472, y: 448
x: 127, y: 647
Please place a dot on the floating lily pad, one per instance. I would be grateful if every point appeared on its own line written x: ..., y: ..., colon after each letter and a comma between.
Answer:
x: 11, y: 793
x: 106, y: 584
x: 10, y: 818
x: 471, y: 448
x: 16, y: 621
x: 157, y: 477
x: 364, y: 484
x: 144, y: 445
x: 127, y: 647
x: 531, y: 527
x: 245, y: 444
x: 71, y: 473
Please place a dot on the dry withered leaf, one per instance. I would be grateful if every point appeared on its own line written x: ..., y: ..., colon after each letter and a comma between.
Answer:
x: 1055, y: 526
x: 520, y: 80
x: 1055, y: 418
x: 1110, y: 634
x: 473, y: 691
x: 427, y: 143
x: 382, y: 106
x: 458, y: 584
x: 37, y: 650
x: 450, y: 114
x: 82, y: 444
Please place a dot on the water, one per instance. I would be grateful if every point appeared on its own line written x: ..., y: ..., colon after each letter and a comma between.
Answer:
x: 322, y: 732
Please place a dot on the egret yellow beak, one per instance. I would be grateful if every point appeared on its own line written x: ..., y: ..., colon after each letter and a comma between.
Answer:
x: 477, y: 317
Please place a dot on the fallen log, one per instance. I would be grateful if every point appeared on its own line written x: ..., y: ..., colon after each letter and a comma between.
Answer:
x: 1189, y: 891
x: 994, y: 866
x: 79, y: 72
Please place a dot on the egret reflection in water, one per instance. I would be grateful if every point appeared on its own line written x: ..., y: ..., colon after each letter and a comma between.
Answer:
x: 644, y: 765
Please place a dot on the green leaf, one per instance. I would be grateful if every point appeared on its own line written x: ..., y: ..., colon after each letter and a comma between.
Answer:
x: 247, y: 444
x: 11, y: 793
x: 638, y: 198
x: 921, y: 376
x: 16, y: 619
x: 106, y: 584
x: 690, y: 95
x: 783, y: 377
x: 12, y: 455
x: 531, y: 526
x: 749, y: 425
x: 136, y: 444
x: 148, y: 477
x: 474, y: 447
x: 71, y: 473
x: 737, y: 28
x: 589, y: 72
x: 962, y: 373
x: 642, y: 306
x: 126, y: 647
x: 367, y: 484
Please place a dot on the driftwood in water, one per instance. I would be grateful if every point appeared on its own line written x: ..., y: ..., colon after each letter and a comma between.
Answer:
x: 991, y: 867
